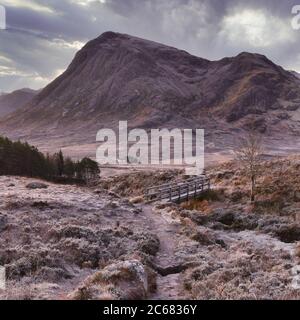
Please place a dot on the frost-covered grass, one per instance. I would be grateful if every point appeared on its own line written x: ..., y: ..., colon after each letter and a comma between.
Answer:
x: 69, y: 242
x: 56, y: 235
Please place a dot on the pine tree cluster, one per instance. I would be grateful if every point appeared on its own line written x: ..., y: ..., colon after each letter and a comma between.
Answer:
x: 22, y: 159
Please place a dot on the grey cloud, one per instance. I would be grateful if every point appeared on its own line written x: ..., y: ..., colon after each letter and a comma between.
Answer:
x: 193, y: 25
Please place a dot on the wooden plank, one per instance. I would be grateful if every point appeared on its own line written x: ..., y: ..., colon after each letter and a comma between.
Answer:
x: 179, y: 191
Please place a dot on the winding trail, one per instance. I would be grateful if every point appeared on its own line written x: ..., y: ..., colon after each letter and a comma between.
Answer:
x: 168, y: 279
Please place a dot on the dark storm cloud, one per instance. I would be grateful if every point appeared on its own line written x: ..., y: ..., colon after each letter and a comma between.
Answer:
x: 43, y: 35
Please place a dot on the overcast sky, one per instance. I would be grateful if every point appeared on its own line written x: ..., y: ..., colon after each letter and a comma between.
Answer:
x: 42, y: 36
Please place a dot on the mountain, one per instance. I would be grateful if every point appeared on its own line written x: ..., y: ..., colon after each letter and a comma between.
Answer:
x: 10, y: 102
x: 119, y: 77
x: 296, y: 74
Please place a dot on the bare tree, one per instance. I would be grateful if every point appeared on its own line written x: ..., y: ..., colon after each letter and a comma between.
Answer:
x: 249, y: 154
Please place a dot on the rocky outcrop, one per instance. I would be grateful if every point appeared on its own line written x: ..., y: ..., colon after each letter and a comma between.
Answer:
x: 125, y: 280
x: 36, y: 185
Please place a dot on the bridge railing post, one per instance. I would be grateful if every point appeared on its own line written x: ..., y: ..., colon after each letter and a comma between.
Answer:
x: 187, y: 191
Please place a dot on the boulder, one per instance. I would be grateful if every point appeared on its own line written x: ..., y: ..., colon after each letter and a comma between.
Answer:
x: 36, y: 185
x: 125, y: 280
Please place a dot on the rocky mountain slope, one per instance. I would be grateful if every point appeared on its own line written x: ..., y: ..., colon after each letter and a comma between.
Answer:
x: 296, y: 74
x: 120, y: 77
x: 11, y: 102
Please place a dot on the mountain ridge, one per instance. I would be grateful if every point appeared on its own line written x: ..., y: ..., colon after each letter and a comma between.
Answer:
x: 120, y: 77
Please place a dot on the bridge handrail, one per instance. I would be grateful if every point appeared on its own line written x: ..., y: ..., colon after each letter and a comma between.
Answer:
x: 175, y: 183
x: 178, y: 190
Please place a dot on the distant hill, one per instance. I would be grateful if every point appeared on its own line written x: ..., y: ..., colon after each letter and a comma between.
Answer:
x: 11, y: 102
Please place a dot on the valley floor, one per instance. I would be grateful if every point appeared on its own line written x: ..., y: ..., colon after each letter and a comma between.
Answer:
x: 69, y: 242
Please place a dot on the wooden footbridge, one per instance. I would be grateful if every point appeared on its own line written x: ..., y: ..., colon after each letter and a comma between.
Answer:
x: 178, y: 191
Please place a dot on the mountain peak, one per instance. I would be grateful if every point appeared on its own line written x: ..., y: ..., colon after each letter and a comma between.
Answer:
x: 253, y: 57
x: 118, y: 76
x: 245, y: 54
x: 109, y: 35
